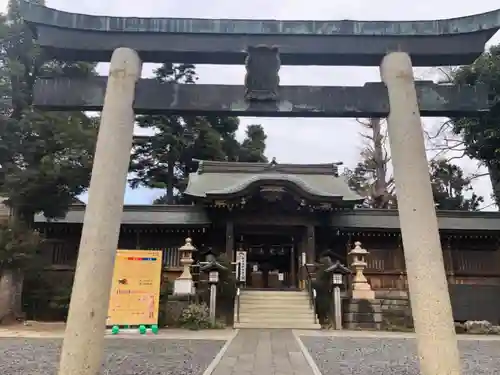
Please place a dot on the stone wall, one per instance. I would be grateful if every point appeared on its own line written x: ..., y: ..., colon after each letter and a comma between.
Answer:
x: 362, y: 314
x: 396, y: 310
x: 389, y: 311
x: 5, y: 211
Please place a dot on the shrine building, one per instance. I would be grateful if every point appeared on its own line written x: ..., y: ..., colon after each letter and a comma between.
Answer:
x: 283, y: 216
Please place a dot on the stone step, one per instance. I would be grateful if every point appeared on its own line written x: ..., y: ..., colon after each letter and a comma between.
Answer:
x: 270, y: 308
x: 267, y: 309
x: 291, y: 310
x: 275, y: 325
x: 280, y: 296
x: 274, y: 299
x: 277, y: 319
x: 307, y: 314
x: 275, y: 309
x: 272, y: 293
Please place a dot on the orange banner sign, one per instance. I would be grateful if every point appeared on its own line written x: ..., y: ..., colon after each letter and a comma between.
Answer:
x: 135, y: 291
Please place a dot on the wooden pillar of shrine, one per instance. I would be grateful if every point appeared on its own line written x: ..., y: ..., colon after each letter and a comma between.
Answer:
x: 230, y: 241
x: 293, y: 268
x: 310, y: 244
x: 137, y: 239
x: 399, y: 265
x: 448, y: 261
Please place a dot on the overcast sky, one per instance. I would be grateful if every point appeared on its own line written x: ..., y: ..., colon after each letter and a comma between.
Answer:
x: 293, y: 140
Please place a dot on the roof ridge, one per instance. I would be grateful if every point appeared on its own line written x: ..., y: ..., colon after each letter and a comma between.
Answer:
x: 209, y: 166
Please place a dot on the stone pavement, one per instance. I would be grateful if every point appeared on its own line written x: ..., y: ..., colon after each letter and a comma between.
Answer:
x: 264, y: 352
x: 383, y: 335
x: 388, y: 353
x: 145, y: 355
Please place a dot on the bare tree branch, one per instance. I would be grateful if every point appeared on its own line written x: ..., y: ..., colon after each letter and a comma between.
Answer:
x: 487, y: 206
x: 478, y: 175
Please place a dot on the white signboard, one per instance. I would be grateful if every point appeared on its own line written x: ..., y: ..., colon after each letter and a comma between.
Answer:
x: 213, y: 276
x: 241, y: 259
x: 303, y: 259
x: 281, y: 276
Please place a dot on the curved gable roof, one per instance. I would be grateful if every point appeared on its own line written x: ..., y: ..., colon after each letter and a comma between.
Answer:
x: 226, y: 178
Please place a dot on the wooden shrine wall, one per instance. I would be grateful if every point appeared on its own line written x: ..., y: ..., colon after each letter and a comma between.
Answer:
x: 474, y: 260
x: 468, y: 260
x: 60, y: 249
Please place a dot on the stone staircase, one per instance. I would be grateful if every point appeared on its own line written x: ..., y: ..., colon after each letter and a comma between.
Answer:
x: 275, y: 309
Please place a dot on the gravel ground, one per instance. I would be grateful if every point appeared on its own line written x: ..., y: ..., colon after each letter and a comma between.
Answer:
x: 123, y: 356
x: 371, y: 356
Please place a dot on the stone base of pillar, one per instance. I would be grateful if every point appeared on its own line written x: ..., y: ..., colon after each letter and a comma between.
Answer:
x: 362, y: 291
x: 183, y: 286
x: 363, y: 314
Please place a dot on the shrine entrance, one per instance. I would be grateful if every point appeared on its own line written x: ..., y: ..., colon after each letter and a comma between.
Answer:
x: 271, y: 260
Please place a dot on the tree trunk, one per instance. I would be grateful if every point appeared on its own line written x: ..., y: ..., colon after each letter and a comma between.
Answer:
x: 11, y: 288
x: 170, y: 182
x: 380, y: 193
x: 12, y: 280
x: 494, y: 170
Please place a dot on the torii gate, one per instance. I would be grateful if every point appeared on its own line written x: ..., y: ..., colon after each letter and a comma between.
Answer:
x: 264, y: 45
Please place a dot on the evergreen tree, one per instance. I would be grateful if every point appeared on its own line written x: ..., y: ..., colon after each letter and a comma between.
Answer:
x: 254, y: 145
x: 164, y: 160
x: 481, y: 135
x: 449, y: 184
x: 45, y: 158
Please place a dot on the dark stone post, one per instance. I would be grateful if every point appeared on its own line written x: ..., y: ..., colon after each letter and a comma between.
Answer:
x: 137, y: 239
x: 310, y: 244
x: 448, y: 261
x: 230, y: 240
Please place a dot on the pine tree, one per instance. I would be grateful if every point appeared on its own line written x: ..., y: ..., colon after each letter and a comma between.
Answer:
x: 45, y: 158
x: 164, y: 160
x: 450, y: 186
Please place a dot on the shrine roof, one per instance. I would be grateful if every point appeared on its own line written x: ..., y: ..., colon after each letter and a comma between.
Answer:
x: 228, y: 178
x: 358, y: 219
x: 162, y: 215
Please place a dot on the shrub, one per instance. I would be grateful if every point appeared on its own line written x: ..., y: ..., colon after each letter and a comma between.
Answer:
x: 19, y: 246
x: 460, y: 327
x: 166, y: 290
x: 47, y: 294
x: 480, y: 327
x: 195, y: 316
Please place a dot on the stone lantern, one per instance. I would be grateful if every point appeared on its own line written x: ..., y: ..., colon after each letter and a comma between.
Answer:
x: 361, y: 289
x: 338, y: 272
x: 184, y: 283
x: 213, y: 268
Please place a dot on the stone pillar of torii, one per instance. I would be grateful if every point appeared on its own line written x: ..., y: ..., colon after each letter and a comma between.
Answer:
x: 427, y: 283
